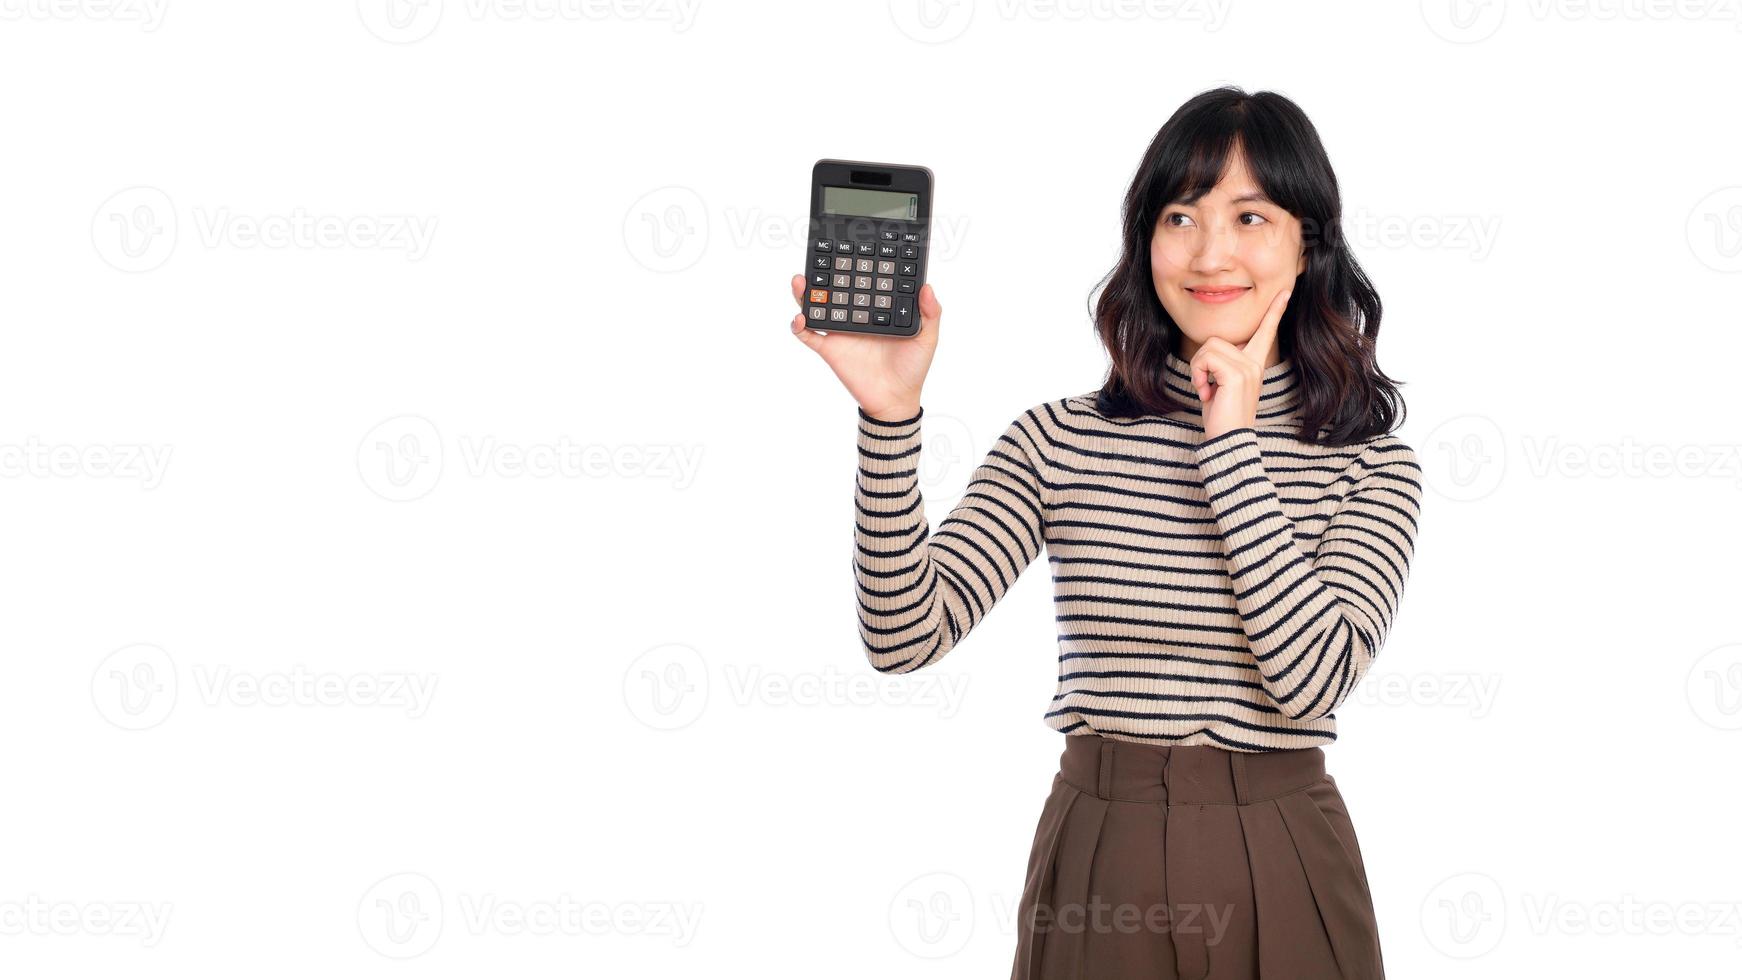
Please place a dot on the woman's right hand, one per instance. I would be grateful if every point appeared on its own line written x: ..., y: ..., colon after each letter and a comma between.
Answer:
x: 884, y: 374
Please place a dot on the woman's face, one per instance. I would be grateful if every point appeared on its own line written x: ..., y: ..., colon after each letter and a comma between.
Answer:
x: 1234, y: 238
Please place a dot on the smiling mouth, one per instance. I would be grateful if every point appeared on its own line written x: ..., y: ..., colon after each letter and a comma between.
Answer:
x: 1217, y: 294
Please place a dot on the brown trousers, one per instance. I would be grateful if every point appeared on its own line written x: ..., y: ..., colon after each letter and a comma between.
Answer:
x: 1192, y: 862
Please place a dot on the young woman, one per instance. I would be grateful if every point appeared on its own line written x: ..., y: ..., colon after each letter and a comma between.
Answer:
x: 1230, y: 524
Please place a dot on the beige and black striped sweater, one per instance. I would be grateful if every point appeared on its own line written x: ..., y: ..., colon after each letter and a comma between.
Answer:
x: 1229, y: 591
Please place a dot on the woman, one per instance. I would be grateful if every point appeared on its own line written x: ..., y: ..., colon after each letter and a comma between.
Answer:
x: 1230, y: 525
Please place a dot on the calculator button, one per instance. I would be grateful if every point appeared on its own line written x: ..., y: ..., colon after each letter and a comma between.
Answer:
x: 838, y: 316
x: 843, y: 264
x: 886, y: 251
x: 889, y: 236
x: 819, y: 278
x: 845, y: 248
x: 880, y: 318
x: 867, y: 248
x: 884, y: 302
x: 903, y: 313
x: 910, y: 237
x: 910, y: 251
x: 861, y: 282
x: 819, y: 313
x: 905, y: 286
x: 838, y: 297
x: 841, y: 280
x: 861, y: 299
x: 820, y: 262
x: 908, y: 269
x: 864, y: 265
x: 885, y: 284
x: 824, y: 245
x: 885, y: 268
x: 861, y: 316
x: 819, y: 296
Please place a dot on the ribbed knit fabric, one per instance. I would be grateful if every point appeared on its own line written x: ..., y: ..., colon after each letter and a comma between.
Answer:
x: 1229, y: 591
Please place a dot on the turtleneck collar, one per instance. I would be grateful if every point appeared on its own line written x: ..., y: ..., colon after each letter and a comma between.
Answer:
x: 1278, y: 398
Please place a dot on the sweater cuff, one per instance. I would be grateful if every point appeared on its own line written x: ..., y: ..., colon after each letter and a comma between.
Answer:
x: 874, y: 420
x: 1241, y: 495
x: 888, y: 466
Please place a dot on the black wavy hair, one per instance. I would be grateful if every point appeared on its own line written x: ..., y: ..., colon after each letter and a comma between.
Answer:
x: 1332, y: 322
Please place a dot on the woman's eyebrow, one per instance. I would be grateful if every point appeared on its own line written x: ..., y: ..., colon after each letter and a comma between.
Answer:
x: 1246, y: 198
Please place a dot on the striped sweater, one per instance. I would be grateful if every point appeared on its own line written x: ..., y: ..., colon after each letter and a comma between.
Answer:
x: 1228, y: 591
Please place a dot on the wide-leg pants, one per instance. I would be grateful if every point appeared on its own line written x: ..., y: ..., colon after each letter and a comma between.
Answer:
x: 1197, y: 863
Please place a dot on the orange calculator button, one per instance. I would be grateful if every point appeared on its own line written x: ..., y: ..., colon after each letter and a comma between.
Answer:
x: 819, y: 296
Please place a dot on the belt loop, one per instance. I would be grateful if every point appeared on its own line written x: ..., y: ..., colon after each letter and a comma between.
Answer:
x: 1242, y: 792
x: 1105, y: 787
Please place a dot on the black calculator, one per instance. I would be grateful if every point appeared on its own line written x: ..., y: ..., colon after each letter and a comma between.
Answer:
x: 870, y: 235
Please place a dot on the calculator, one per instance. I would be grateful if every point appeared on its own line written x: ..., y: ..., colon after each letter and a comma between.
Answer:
x: 870, y: 235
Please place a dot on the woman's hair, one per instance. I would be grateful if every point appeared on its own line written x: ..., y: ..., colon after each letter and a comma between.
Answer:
x: 1332, y: 320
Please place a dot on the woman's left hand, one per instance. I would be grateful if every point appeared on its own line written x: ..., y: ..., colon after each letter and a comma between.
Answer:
x: 1229, y: 379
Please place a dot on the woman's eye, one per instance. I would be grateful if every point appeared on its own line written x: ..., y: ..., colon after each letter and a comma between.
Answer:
x: 1168, y: 218
x: 1253, y: 214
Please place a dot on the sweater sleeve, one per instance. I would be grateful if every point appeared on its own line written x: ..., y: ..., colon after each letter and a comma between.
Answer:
x: 921, y: 592
x: 1314, y: 626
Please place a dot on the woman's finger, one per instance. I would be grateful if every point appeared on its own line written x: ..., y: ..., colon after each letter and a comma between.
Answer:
x: 805, y: 334
x: 1258, y: 348
x: 931, y: 312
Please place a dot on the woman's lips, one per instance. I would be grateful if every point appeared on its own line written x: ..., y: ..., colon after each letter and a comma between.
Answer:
x: 1218, y: 295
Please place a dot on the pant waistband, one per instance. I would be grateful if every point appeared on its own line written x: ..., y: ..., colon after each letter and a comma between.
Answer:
x: 1113, y: 769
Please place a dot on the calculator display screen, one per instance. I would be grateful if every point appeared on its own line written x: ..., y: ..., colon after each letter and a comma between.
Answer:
x: 857, y: 201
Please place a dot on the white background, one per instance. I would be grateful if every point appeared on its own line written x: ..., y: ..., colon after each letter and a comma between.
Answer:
x: 643, y: 693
